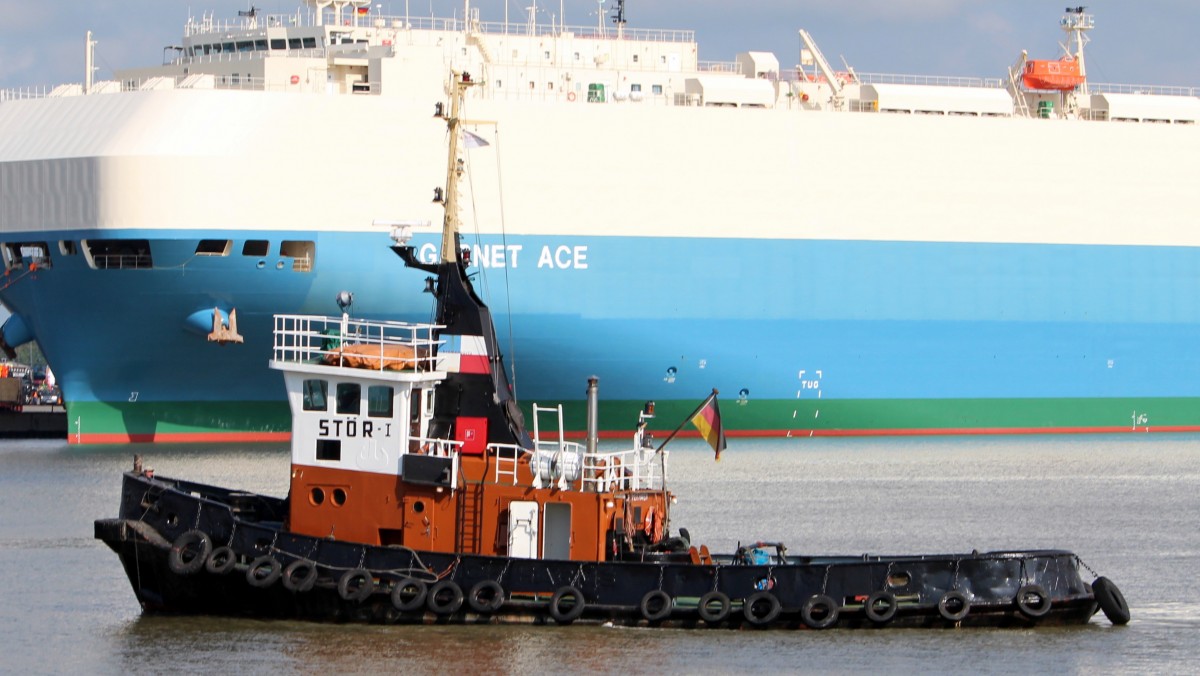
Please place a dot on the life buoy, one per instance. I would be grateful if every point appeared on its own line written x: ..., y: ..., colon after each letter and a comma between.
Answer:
x: 263, y: 571
x: 1111, y: 600
x: 445, y: 597
x: 300, y: 575
x: 409, y: 594
x: 652, y: 525
x: 880, y: 607
x: 953, y: 606
x: 189, y: 552
x: 761, y: 608
x: 1032, y: 601
x: 655, y: 605
x: 713, y: 607
x: 819, y: 612
x: 566, y: 605
x: 221, y: 561
x: 486, y: 597
x: 356, y: 584
x: 571, y: 96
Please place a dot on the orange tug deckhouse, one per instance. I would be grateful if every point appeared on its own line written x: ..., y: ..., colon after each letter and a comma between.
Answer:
x: 366, y: 468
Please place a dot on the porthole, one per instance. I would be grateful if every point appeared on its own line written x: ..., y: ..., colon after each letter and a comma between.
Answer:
x: 898, y: 580
x: 339, y: 497
x: 317, y: 496
x: 418, y: 507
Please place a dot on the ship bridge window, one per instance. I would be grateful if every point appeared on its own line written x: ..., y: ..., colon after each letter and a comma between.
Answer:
x: 294, y: 43
x: 315, y: 395
x: 260, y: 45
x: 310, y: 43
x: 228, y: 48
x: 245, y: 46
x: 302, y: 251
x: 213, y: 247
x: 67, y: 247
x: 20, y: 254
x: 118, y: 254
x: 278, y: 43
x: 348, y: 397
x: 379, y: 401
x: 256, y: 247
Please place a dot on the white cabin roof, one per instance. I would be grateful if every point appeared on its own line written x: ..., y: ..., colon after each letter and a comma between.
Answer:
x: 1148, y: 107
x: 938, y: 99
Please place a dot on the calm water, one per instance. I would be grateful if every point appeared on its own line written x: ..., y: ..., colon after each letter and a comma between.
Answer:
x: 1128, y: 505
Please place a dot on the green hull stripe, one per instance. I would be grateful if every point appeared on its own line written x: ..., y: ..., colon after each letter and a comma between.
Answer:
x: 196, y: 420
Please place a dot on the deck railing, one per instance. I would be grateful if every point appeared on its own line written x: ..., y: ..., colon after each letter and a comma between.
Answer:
x: 355, y: 343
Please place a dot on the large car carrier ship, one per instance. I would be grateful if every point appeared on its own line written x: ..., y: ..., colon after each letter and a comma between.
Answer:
x: 840, y: 252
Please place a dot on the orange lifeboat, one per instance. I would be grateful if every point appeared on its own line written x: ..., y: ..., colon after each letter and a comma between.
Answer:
x: 1061, y: 75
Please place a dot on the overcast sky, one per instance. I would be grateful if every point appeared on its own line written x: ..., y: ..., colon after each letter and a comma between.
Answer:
x: 1135, y: 41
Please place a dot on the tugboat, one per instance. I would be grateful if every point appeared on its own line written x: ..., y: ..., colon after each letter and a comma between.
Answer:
x: 418, y: 494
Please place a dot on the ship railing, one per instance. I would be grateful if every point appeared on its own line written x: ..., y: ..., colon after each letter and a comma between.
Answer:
x: 20, y: 93
x: 625, y: 470
x: 732, y: 67
x: 928, y: 80
x: 355, y: 343
x: 1153, y: 90
x: 122, y: 261
x: 209, y: 25
x: 508, y: 460
x: 438, y: 448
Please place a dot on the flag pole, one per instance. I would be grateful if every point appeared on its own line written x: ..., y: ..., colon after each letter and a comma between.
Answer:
x: 687, y: 420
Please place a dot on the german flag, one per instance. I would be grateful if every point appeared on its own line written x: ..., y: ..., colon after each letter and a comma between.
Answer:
x: 707, y: 419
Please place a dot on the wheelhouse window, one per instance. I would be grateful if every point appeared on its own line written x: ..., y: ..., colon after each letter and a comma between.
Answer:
x: 349, y: 396
x: 315, y: 395
x: 66, y: 247
x: 118, y: 254
x: 379, y: 401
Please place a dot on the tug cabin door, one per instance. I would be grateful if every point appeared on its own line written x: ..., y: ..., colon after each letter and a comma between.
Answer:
x: 523, y: 529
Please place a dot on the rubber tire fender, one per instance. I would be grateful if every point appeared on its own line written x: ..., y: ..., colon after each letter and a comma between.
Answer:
x: 485, y: 597
x: 402, y: 601
x: 814, y: 605
x: 300, y: 575
x: 951, y: 597
x: 656, y: 605
x: 714, y: 615
x: 568, y: 615
x: 1033, y: 610
x: 185, y: 542
x: 1111, y: 600
x: 754, y: 600
x: 880, y: 617
x: 365, y: 581
x: 448, y: 606
x: 273, y: 569
x: 221, y: 561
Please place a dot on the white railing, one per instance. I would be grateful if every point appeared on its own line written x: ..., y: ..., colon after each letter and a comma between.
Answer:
x: 24, y: 93
x: 354, y: 343
x: 1155, y: 90
x: 930, y: 80
x: 632, y: 469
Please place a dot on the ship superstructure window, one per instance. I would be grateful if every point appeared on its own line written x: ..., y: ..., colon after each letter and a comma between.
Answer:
x: 656, y: 89
x: 256, y: 247
x: 21, y: 254
x: 349, y: 396
x: 310, y: 43
x: 214, y: 247
x: 303, y: 251
x: 379, y: 401
x: 67, y: 247
x: 315, y: 395
x: 329, y: 449
x: 278, y: 43
x: 294, y: 43
x: 118, y: 254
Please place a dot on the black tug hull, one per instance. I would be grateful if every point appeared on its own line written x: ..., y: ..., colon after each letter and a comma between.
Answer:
x: 172, y: 569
